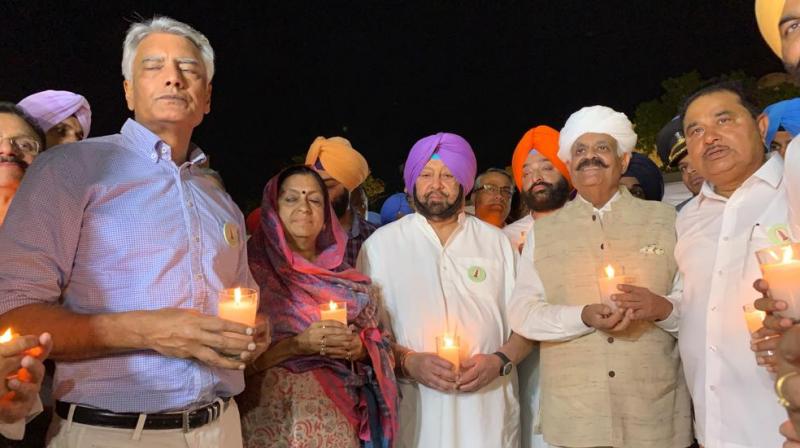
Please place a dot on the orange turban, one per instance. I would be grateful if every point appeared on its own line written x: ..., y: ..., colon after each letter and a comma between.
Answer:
x: 768, y: 15
x: 544, y: 140
x: 340, y: 160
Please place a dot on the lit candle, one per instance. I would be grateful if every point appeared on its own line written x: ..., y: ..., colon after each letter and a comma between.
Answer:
x: 238, y: 305
x: 608, y: 286
x: 754, y: 318
x: 781, y: 269
x: 448, y: 348
x: 334, y: 311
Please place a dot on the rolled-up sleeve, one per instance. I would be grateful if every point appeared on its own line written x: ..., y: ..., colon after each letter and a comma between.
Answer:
x: 41, y: 232
x: 529, y: 313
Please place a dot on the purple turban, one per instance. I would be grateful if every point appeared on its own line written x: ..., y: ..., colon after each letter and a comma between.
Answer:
x: 454, y: 152
x: 51, y: 107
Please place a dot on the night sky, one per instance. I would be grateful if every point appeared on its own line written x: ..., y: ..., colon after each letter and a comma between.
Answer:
x: 385, y: 73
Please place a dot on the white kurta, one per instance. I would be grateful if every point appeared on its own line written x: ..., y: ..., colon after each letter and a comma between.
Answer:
x: 463, y: 287
x: 518, y: 230
x: 734, y: 399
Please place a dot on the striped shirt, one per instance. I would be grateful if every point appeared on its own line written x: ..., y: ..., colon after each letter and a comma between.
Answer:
x: 112, y: 224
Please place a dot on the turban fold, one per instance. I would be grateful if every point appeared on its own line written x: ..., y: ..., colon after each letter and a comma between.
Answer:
x: 648, y: 175
x: 542, y: 139
x: 783, y: 114
x: 51, y: 107
x: 340, y: 160
x: 768, y: 16
x: 394, y: 204
x: 670, y: 143
x: 600, y: 120
x: 454, y: 152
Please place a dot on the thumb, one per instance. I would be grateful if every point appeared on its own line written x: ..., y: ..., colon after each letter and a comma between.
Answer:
x: 467, y: 363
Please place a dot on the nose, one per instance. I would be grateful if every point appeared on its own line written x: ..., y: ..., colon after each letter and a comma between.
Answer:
x: 6, y: 148
x: 710, y: 136
x: 174, y: 76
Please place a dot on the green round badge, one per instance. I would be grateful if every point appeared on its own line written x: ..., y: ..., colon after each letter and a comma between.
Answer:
x: 476, y: 273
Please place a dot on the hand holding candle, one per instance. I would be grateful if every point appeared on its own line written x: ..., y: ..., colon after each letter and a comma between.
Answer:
x: 608, y: 286
x: 780, y: 266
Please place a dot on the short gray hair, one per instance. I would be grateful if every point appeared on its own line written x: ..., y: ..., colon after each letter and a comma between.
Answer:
x: 479, y: 179
x: 163, y: 24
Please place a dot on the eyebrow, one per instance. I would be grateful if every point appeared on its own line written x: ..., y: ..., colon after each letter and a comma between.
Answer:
x: 192, y: 61
x: 786, y: 18
x: 152, y: 59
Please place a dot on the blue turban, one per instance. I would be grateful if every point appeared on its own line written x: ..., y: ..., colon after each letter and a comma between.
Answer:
x: 394, y: 205
x: 783, y: 114
x: 648, y: 175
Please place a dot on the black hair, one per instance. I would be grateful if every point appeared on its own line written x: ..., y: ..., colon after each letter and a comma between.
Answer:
x: 733, y: 87
x: 7, y: 107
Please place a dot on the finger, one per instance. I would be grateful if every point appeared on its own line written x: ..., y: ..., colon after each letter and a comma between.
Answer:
x: 778, y: 323
x: 440, y: 384
x: 626, y: 320
x: 34, y: 367
x: 218, y: 325
x: 228, y: 343
x: 473, y: 385
x: 333, y: 324
x: 761, y: 286
x: 469, y: 363
x: 468, y: 376
x: 447, y: 374
x: 24, y: 392
x: 9, y: 365
x: 765, y: 344
x: 763, y: 333
x: 769, y: 305
x: 629, y: 288
x: 18, y: 345
x: 212, y: 358
x: 441, y: 363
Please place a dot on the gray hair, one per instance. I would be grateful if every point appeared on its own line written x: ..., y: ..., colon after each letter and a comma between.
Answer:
x: 479, y: 179
x: 163, y: 24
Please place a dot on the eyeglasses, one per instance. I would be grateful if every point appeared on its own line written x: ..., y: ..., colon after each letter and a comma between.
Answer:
x: 24, y: 144
x: 494, y: 189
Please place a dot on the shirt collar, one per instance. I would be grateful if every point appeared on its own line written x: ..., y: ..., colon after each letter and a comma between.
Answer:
x: 145, y: 142
x: 605, y: 208
x: 770, y: 172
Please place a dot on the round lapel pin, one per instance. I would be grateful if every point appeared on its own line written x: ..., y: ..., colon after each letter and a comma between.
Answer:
x: 476, y: 273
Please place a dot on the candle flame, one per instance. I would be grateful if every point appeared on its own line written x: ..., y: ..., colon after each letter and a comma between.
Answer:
x: 609, y: 271
x: 788, y: 254
x: 6, y: 337
x: 333, y: 305
x: 448, y: 342
x: 237, y: 295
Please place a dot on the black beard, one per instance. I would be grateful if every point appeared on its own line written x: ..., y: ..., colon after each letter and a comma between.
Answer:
x: 439, y: 212
x: 340, y: 204
x: 553, y: 198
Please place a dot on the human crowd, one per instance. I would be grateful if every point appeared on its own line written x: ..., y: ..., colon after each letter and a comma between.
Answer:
x: 593, y: 315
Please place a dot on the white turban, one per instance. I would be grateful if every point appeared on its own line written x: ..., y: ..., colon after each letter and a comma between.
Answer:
x: 600, y: 120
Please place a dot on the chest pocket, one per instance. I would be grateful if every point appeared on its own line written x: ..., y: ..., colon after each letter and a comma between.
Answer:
x: 482, y: 277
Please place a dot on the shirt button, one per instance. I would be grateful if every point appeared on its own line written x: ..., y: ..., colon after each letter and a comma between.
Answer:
x: 612, y: 374
x: 164, y: 150
x: 594, y: 217
x: 602, y: 246
x: 610, y: 340
x: 153, y: 156
x: 713, y: 348
x: 725, y: 238
x: 719, y: 272
x: 197, y: 239
x: 712, y: 387
x: 190, y: 204
x: 198, y: 276
x: 713, y: 308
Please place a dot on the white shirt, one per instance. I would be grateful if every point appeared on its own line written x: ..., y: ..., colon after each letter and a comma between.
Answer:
x: 462, y: 286
x: 734, y: 399
x: 518, y: 230
x: 532, y: 317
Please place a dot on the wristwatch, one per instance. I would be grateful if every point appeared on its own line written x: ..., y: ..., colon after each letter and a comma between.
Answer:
x: 507, y: 366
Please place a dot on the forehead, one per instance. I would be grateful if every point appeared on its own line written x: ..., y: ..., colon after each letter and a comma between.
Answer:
x: 712, y: 104
x: 595, y: 138
x: 326, y: 177
x: 12, y: 125
x: 495, y: 179
x: 71, y: 122
x: 166, y: 44
x: 301, y: 182
x: 535, y: 157
x: 436, y: 165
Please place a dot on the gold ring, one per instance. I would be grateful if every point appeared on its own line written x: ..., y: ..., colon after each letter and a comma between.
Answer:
x: 322, y: 351
x: 779, y: 390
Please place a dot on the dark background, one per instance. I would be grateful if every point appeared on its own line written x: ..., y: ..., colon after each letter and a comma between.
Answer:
x: 385, y: 73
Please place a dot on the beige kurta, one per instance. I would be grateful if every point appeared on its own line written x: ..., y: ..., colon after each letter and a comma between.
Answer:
x: 598, y: 389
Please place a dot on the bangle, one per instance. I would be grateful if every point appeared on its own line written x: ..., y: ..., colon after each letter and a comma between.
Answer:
x: 403, y: 358
x: 779, y: 391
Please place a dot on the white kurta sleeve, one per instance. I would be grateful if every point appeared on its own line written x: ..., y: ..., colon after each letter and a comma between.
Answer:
x: 672, y: 322
x: 529, y: 313
x: 791, y: 177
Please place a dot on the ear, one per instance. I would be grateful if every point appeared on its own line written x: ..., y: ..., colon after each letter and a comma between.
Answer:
x: 763, y: 124
x: 127, y: 86
x: 208, y: 99
x: 626, y: 159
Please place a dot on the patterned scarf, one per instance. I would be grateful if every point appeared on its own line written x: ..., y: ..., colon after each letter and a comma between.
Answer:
x: 293, y: 288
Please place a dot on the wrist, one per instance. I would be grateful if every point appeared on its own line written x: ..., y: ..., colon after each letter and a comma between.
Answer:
x: 667, y: 310
x: 120, y: 331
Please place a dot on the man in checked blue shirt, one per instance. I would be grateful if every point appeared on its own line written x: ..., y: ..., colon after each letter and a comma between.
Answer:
x: 118, y: 246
